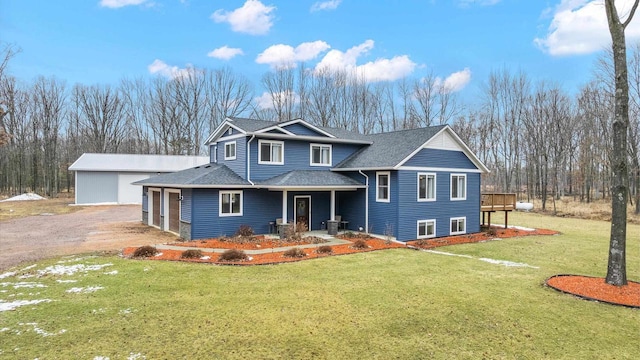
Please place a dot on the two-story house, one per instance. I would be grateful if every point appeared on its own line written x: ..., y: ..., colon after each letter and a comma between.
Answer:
x: 410, y: 184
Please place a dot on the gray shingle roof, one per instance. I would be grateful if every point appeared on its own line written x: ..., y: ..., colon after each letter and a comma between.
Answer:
x: 310, y: 178
x: 251, y: 125
x: 389, y: 149
x: 210, y: 175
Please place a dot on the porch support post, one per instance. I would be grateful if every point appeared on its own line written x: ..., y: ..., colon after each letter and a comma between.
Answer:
x: 333, y: 205
x: 284, y: 206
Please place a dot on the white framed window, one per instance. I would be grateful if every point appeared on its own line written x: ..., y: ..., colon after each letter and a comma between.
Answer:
x: 230, y: 150
x: 231, y: 203
x: 270, y: 152
x: 320, y: 155
x: 426, y: 229
x: 383, y: 186
x: 458, y: 226
x: 426, y: 187
x: 458, y: 187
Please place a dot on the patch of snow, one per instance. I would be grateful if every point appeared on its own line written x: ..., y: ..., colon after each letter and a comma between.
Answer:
x: 24, y: 284
x: 448, y: 254
x: 4, y: 329
x: 25, y: 196
x: 99, y: 311
x: 114, y: 272
x: 146, y: 269
x: 70, y: 269
x: 137, y: 356
x: 205, y: 258
x: 126, y: 311
x: 42, y: 332
x: 507, y: 263
x: 101, y: 358
x: 158, y: 254
x: 66, y: 281
x: 29, y: 267
x: 85, y: 290
x: 250, y: 258
x: 6, y: 306
x: 7, y: 274
x: 76, y: 259
x: 513, y: 227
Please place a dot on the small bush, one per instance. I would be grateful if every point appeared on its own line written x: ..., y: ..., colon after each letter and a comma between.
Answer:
x: 245, y: 231
x: 492, y: 231
x: 294, y: 253
x: 145, y: 251
x: 349, y: 234
x: 233, y: 255
x: 324, y: 249
x: 360, y: 244
x: 422, y: 242
x: 191, y: 254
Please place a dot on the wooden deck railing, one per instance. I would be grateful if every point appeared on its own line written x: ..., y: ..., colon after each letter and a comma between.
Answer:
x: 498, y: 202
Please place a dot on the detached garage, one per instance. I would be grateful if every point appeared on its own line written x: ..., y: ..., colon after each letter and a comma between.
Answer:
x: 107, y: 178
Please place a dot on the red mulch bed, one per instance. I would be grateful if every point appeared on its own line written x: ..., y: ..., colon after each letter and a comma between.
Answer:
x: 274, y: 257
x: 258, y: 242
x: 596, y: 289
x: 495, y: 232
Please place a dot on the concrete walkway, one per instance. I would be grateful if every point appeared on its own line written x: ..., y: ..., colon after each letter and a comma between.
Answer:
x: 321, y: 234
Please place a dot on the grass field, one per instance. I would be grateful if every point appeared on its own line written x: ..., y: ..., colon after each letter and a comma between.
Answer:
x: 400, y: 304
x: 17, y: 209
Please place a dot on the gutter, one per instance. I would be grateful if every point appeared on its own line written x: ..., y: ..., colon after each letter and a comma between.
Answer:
x: 249, y: 160
x: 366, y: 202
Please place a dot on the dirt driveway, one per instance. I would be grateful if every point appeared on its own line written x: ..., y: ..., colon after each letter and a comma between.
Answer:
x: 96, y: 228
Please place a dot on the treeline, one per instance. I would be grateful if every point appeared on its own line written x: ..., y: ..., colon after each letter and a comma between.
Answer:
x: 539, y: 140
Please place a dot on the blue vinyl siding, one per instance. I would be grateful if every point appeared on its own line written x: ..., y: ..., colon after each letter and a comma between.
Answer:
x: 441, y: 158
x: 351, y: 206
x: 320, y: 206
x: 259, y: 207
x: 296, y: 157
x: 410, y: 210
x: 185, y: 205
x: 239, y: 165
x: 300, y: 129
x: 383, y: 216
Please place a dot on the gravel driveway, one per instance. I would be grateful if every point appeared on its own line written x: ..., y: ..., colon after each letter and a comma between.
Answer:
x: 96, y: 228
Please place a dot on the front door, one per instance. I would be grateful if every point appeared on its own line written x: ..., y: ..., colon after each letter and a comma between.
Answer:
x: 303, y: 212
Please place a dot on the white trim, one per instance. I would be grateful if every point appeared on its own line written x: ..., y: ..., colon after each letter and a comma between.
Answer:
x: 304, y: 123
x: 310, y: 188
x: 274, y: 127
x: 215, y: 135
x: 431, y: 169
x: 230, y: 137
x: 435, y: 186
x: 260, y: 161
x: 311, y: 138
x: 150, y: 191
x: 366, y: 201
x: 387, y: 168
x: 464, y: 221
x: 451, y: 187
x: 311, y: 163
x: 165, y: 207
x: 295, y: 210
x: 388, y: 174
x: 215, y: 153
x: 285, y: 203
x: 235, y: 150
x: 230, y: 192
x: 426, y: 226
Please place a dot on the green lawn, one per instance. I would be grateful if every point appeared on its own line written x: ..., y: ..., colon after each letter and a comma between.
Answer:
x: 388, y: 304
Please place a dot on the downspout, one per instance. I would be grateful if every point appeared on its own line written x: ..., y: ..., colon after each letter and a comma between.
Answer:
x: 366, y: 202
x: 249, y: 161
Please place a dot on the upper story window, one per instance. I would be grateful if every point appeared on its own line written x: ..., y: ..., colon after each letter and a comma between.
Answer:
x: 383, y: 182
x: 270, y: 152
x: 426, y: 187
x: 458, y: 187
x: 231, y: 203
x: 320, y: 155
x: 230, y: 150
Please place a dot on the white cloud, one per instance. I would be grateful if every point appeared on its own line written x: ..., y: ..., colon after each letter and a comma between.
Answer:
x: 325, y: 5
x: 378, y: 70
x: 456, y: 81
x: 252, y: 18
x: 159, y: 67
x: 580, y: 27
x: 265, y: 101
x: 281, y: 55
x: 114, y: 4
x: 225, y: 53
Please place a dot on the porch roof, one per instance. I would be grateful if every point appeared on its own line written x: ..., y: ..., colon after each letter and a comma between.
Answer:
x: 204, y: 176
x: 311, y: 179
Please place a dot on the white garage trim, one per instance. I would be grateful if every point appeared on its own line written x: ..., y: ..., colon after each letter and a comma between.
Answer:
x: 150, y: 205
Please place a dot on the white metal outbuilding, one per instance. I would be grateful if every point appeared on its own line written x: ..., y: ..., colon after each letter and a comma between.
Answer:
x: 107, y: 178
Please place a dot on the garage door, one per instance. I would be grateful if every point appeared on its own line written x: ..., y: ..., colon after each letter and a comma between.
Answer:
x: 156, y: 208
x: 174, y: 212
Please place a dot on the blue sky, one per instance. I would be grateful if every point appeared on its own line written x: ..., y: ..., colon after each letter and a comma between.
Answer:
x: 459, y: 41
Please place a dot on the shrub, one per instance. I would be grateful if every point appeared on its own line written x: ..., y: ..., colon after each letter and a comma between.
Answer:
x: 294, y: 253
x: 349, y: 234
x: 314, y: 240
x: 492, y: 231
x: 324, y: 249
x: 191, y: 254
x: 233, y: 255
x: 245, y: 231
x: 145, y: 251
x: 360, y: 244
x: 422, y: 242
